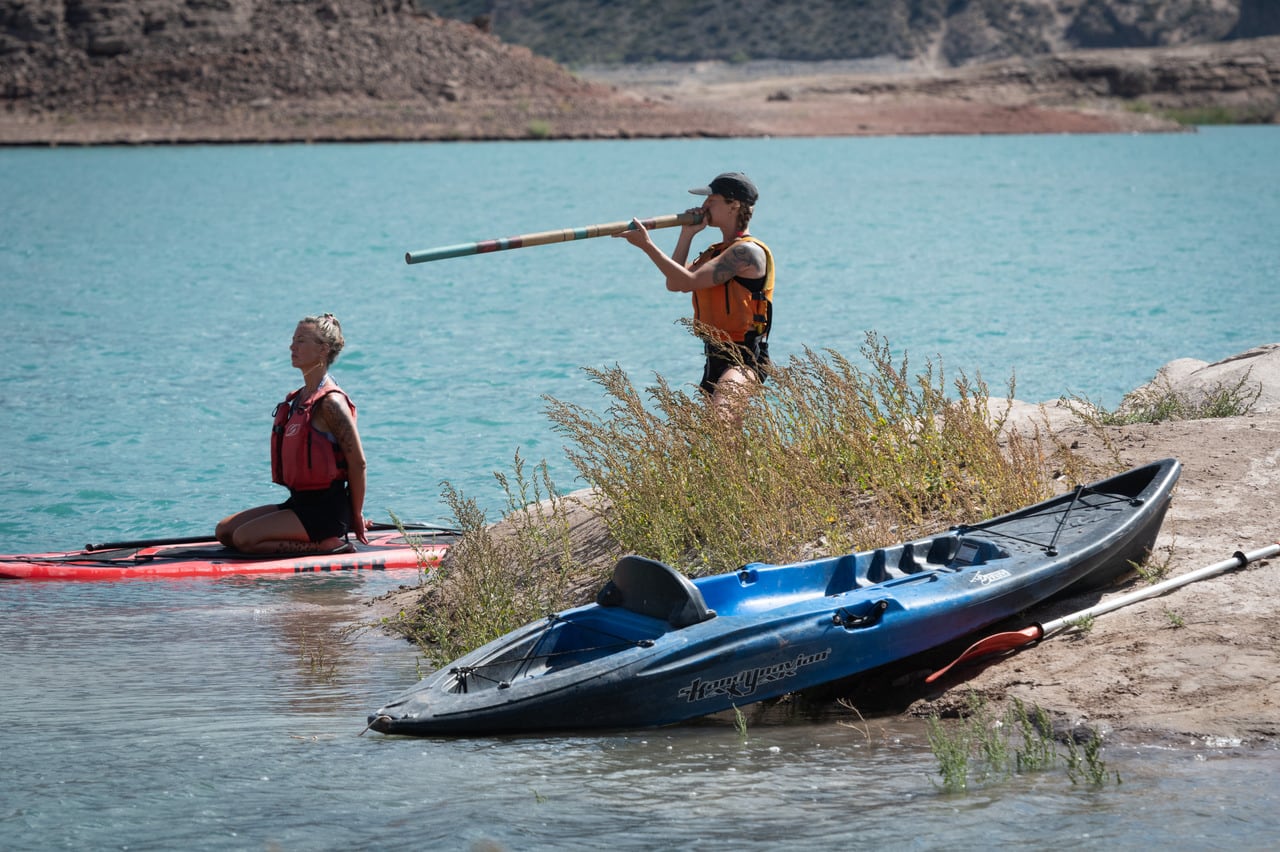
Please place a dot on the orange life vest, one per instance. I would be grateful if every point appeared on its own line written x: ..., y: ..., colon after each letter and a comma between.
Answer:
x: 302, y: 457
x: 734, y: 308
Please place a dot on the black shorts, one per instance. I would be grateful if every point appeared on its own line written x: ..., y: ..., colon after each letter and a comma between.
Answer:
x: 756, y: 357
x: 324, y: 514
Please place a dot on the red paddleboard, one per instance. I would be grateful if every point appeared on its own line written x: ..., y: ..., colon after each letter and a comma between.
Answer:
x: 388, y: 549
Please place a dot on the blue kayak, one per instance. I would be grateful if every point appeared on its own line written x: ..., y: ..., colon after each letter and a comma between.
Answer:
x: 658, y: 648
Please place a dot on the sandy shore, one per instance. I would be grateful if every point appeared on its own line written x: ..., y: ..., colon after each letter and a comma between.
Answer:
x: 821, y: 99
x: 1197, y: 665
x: 718, y: 111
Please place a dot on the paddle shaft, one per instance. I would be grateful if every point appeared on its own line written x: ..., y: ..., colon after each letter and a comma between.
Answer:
x: 543, y: 238
x: 200, y: 539
x: 1000, y: 642
x: 1237, y: 560
x: 149, y: 542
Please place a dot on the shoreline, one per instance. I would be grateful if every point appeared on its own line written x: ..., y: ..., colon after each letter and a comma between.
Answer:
x: 1193, y: 667
x: 710, y: 114
x: 1101, y: 91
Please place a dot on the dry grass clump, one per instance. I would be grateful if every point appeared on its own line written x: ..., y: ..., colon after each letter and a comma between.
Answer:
x: 1159, y: 401
x: 828, y: 457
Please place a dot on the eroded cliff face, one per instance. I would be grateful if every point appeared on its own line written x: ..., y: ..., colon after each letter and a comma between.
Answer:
x: 1227, y: 74
x: 937, y: 33
x: 82, y: 54
x: 113, y: 27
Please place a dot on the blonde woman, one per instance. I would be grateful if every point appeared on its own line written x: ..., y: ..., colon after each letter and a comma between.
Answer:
x: 315, y: 453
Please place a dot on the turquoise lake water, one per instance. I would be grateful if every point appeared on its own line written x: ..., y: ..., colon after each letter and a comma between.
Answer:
x: 149, y: 295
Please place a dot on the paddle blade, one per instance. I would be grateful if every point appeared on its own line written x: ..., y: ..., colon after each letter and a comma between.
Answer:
x: 995, y: 644
x: 1008, y: 641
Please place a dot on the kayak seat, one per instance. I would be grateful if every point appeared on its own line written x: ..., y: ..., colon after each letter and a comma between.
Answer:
x: 974, y: 551
x: 648, y: 587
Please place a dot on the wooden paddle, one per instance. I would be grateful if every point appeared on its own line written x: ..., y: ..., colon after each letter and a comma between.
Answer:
x: 1000, y: 642
x: 543, y: 238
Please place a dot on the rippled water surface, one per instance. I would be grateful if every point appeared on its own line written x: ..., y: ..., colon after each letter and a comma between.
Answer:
x: 149, y: 296
x: 227, y: 714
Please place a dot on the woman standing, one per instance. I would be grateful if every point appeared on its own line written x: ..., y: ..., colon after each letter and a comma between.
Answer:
x: 315, y: 453
x: 731, y: 283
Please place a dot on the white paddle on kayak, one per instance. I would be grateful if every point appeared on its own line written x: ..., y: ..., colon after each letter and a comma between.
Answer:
x: 543, y: 238
x: 1001, y: 642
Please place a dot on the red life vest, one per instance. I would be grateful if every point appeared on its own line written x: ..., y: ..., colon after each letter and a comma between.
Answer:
x: 302, y: 457
x: 736, y: 308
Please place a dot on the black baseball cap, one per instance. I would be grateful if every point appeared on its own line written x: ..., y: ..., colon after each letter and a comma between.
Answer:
x: 734, y: 186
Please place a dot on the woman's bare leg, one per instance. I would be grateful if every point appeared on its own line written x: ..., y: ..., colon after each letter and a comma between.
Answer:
x: 225, y: 531
x: 733, y: 389
x: 278, y: 531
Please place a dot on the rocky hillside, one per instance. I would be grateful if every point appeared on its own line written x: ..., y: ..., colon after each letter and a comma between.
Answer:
x: 134, y: 71
x: 135, y: 54
x: 140, y: 71
x: 937, y: 32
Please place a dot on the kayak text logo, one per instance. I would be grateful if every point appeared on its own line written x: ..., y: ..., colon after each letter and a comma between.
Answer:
x: 990, y: 577
x: 746, y: 682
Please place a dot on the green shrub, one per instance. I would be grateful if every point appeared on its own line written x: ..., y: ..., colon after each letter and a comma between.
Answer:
x: 493, y: 580
x: 1222, y: 114
x: 1159, y: 401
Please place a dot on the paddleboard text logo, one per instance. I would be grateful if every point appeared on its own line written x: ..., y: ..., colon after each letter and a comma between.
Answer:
x: 320, y: 567
x: 990, y: 577
x: 746, y: 682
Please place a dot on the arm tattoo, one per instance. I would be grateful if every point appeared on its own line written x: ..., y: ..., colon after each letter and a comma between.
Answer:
x: 738, y: 260
x: 339, y: 426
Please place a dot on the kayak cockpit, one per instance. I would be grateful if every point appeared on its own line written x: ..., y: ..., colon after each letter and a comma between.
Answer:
x: 559, y: 642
